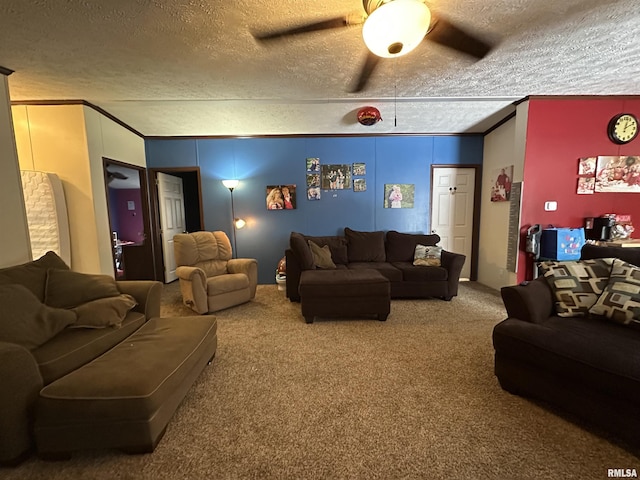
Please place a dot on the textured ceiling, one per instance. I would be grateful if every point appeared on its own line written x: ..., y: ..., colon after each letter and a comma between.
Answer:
x: 192, y: 67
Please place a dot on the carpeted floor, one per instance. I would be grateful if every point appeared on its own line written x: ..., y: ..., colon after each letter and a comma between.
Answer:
x: 410, y: 398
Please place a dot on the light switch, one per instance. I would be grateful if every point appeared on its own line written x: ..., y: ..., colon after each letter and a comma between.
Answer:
x: 550, y: 206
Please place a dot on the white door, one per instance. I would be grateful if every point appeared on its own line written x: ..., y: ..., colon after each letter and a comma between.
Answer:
x: 452, y: 197
x: 171, y: 206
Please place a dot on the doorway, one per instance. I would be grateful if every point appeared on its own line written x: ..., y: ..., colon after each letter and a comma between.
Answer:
x: 454, y: 216
x: 193, y: 219
x: 129, y: 223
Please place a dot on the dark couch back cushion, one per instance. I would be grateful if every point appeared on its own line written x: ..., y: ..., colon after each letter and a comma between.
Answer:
x: 629, y: 255
x: 32, y: 275
x: 337, y: 245
x: 301, y: 250
x: 402, y: 246
x: 365, y: 246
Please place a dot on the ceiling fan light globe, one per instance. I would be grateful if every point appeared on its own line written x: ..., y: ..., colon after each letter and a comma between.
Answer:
x: 395, y: 28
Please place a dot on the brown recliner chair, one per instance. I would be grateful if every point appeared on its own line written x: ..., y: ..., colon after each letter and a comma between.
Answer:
x: 210, y: 280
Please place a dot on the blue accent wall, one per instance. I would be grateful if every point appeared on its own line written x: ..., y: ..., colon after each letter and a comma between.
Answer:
x: 258, y: 162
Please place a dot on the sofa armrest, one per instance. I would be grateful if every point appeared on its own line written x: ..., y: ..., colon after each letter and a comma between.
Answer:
x: 146, y: 292
x: 21, y: 383
x: 453, y: 263
x: 248, y: 266
x: 293, y: 275
x: 532, y: 302
x: 193, y: 286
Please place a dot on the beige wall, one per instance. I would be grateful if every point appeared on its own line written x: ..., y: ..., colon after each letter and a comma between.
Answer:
x: 71, y: 140
x: 14, y: 231
x: 502, y: 147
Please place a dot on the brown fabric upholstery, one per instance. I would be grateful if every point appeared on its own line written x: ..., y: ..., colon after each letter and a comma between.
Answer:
x: 400, y: 247
x: 386, y: 269
x: 337, y: 245
x: 126, y: 397
x: 33, y: 275
x: 301, y: 250
x: 365, y: 246
x: 413, y: 273
x: 68, y: 289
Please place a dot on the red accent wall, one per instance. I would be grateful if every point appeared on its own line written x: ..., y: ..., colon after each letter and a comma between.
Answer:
x: 559, y: 132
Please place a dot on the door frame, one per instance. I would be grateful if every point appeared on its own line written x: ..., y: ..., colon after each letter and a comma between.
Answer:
x: 146, y: 221
x: 156, y: 236
x: 477, y: 197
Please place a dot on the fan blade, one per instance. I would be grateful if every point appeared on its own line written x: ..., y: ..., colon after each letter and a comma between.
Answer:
x: 446, y: 33
x: 365, y: 72
x: 329, y: 24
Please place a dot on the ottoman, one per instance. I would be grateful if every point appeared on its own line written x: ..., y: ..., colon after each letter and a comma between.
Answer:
x: 125, y: 398
x: 344, y: 293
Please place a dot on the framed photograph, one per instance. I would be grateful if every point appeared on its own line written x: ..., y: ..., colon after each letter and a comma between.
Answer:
x: 586, y: 185
x: 313, y: 179
x: 335, y: 177
x: 501, y: 184
x: 618, y: 174
x: 281, y: 197
x: 359, y: 185
x: 359, y: 169
x: 313, y: 193
x: 587, y: 166
x: 399, y: 195
x: 313, y: 164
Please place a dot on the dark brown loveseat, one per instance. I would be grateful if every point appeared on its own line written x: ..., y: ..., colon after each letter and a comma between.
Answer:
x: 390, y: 253
x: 589, y: 365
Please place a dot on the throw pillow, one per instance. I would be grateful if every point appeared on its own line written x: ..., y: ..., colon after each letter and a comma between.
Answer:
x: 365, y: 246
x: 32, y: 275
x: 104, y: 312
x: 576, y: 284
x: 68, y: 289
x: 620, y: 300
x: 27, y: 321
x: 321, y: 256
x: 427, y: 255
x: 301, y: 250
x: 401, y: 247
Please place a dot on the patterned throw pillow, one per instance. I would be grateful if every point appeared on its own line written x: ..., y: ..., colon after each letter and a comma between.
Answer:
x: 620, y: 300
x: 576, y: 284
x: 427, y: 256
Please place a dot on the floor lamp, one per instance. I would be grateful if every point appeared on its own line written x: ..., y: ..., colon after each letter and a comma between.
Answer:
x: 237, y: 223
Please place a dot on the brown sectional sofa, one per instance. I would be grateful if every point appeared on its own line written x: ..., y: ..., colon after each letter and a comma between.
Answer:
x: 389, y: 253
x: 49, y: 349
x: 588, y: 366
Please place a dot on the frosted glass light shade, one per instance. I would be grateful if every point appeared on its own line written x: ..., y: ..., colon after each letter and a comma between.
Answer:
x: 395, y: 28
x: 230, y: 183
x: 239, y: 222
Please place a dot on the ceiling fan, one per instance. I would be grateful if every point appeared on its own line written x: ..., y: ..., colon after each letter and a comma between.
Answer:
x: 392, y: 28
x: 113, y: 175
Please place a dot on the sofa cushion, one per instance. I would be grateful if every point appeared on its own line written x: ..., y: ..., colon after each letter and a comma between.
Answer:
x: 427, y: 256
x: 68, y: 289
x: 337, y: 245
x: 386, y: 269
x: 28, y: 322
x: 413, y: 273
x: 32, y: 275
x: 629, y: 255
x: 365, y: 246
x: 301, y: 250
x: 400, y: 247
x: 74, y: 347
x: 103, y: 312
x: 576, y: 284
x: 321, y: 256
x: 620, y: 300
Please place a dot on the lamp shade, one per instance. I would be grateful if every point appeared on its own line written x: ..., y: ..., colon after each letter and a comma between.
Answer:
x: 395, y: 28
x: 239, y: 223
x: 230, y: 183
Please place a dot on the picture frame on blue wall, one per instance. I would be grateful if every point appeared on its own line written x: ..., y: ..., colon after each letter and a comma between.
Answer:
x: 313, y: 180
x: 359, y: 185
x: 281, y: 197
x: 313, y: 193
x: 399, y: 195
x: 335, y: 177
x: 313, y: 164
x: 359, y: 169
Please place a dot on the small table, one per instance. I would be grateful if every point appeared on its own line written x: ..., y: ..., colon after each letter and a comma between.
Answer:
x: 344, y: 293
